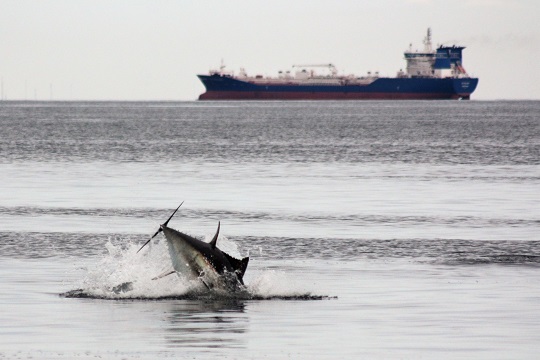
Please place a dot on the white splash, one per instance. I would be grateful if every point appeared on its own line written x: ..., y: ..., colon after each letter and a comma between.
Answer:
x: 123, y: 273
x: 123, y: 265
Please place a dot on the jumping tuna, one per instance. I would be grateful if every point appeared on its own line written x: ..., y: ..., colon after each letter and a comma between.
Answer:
x: 200, y: 260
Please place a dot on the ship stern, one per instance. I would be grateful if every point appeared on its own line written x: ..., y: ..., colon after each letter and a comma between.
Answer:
x: 464, y: 87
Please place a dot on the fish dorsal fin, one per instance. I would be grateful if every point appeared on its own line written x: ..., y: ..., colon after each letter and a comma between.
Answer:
x: 214, y: 240
x: 239, y: 266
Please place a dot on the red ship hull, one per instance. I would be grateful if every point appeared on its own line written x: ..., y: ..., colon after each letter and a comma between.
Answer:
x: 260, y: 95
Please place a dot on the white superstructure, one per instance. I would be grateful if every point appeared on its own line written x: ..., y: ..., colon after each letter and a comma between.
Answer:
x: 444, y: 62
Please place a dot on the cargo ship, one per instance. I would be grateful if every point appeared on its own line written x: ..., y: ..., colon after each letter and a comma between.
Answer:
x: 429, y: 74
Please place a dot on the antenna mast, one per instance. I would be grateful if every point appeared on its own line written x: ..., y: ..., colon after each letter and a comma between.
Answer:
x: 427, y: 42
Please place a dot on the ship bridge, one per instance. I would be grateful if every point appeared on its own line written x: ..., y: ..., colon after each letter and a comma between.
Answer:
x: 446, y: 61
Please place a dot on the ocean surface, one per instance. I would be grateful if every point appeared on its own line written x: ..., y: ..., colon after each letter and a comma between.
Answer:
x: 374, y: 229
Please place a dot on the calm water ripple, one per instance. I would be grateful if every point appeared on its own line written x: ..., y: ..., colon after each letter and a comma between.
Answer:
x: 418, y: 222
x: 449, y: 251
x: 420, y: 132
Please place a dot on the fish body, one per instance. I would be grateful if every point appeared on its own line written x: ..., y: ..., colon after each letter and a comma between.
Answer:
x: 197, y: 259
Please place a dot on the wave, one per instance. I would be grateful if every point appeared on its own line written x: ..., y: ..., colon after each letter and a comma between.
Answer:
x: 356, y: 219
x: 501, y: 259
x: 26, y: 245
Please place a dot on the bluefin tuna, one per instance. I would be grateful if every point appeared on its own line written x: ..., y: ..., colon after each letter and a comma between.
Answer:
x: 199, y: 260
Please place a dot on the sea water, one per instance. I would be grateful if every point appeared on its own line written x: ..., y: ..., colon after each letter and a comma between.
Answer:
x: 374, y: 229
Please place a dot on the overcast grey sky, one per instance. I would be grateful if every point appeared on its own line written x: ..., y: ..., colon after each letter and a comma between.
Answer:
x: 152, y: 50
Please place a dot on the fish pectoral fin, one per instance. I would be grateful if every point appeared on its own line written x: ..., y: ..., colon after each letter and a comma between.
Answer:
x: 166, y: 273
x: 205, y: 284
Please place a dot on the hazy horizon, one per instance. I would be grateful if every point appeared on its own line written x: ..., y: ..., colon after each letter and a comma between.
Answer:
x: 152, y: 50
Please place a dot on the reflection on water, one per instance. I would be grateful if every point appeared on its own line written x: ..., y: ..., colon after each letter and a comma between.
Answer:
x: 206, y: 324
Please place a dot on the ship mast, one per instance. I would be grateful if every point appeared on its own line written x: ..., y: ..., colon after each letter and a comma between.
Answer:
x: 427, y: 42
x: 222, y: 67
x: 420, y: 64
